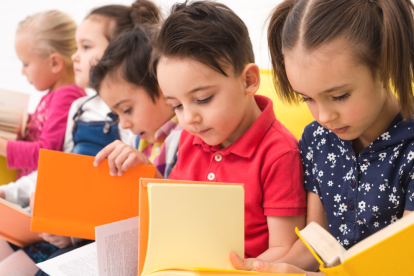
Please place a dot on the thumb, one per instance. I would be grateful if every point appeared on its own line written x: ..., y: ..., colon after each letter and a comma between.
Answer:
x: 241, y: 264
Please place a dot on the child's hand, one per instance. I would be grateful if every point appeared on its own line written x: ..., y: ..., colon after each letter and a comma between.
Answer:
x: 59, y: 241
x: 121, y: 157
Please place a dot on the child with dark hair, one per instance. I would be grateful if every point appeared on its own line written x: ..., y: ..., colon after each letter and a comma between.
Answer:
x: 203, y: 59
x: 341, y: 57
x: 122, y: 80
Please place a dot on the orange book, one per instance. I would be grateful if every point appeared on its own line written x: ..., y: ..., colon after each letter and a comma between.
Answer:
x: 15, y: 225
x: 73, y: 197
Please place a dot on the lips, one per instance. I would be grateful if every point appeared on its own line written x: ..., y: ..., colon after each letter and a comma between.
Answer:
x: 339, y: 130
x: 202, y: 131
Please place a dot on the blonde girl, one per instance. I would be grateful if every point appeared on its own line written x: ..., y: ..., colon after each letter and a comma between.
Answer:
x: 44, y: 43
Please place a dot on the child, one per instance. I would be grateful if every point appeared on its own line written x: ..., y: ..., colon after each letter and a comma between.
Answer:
x: 122, y: 80
x: 204, y: 63
x: 358, y: 155
x: 44, y: 43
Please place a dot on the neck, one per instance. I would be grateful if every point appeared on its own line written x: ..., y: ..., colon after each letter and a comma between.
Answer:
x: 252, y: 113
x: 66, y: 78
x: 386, y: 116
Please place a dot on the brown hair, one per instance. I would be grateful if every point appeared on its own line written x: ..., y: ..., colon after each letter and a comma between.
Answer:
x: 380, y: 31
x: 53, y: 32
x: 207, y: 32
x: 121, y: 18
x: 127, y: 55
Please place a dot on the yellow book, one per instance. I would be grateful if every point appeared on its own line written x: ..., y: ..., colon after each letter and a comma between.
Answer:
x: 6, y: 175
x: 385, y: 253
x: 190, y: 228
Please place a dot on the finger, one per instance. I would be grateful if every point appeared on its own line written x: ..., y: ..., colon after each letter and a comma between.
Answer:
x: 111, y: 159
x: 268, y: 267
x: 104, y: 153
x: 121, y: 158
x: 241, y: 264
x: 133, y: 160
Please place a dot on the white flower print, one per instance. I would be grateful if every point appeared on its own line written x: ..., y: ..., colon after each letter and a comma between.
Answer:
x: 410, y: 155
x: 382, y: 187
x: 394, y: 190
x: 343, y: 228
x: 393, y: 198
x: 376, y: 224
x: 375, y: 209
x: 382, y: 156
x: 364, y: 167
x: 330, y: 183
x: 337, y: 198
x: 346, y: 242
x: 323, y: 141
x: 386, y: 136
x: 309, y: 155
x: 394, y: 219
x: 319, y: 131
x: 348, y: 175
x: 320, y: 174
x: 361, y: 205
x: 342, y: 207
x: 331, y: 156
x: 367, y: 187
x: 396, y: 154
x: 412, y: 176
x: 315, y: 190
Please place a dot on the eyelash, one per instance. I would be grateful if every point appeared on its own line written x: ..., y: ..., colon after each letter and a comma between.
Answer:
x: 205, y: 101
x: 86, y: 47
x: 128, y: 111
x: 340, y: 98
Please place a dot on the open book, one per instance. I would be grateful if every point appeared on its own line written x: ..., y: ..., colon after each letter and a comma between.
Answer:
x: 13, y: 113
x: 387, y: 252
x: 15, y: 224
x: 185, y: 228
x: 73, y: 197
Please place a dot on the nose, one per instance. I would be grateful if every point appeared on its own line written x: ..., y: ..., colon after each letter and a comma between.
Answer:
x: 75, y: 57
x: 125, y: 124
x: 191, y: 117
x: 327, y: 114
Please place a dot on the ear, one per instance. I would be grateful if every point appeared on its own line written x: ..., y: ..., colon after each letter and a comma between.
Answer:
x: 251, y: 77
x: 57, y: 62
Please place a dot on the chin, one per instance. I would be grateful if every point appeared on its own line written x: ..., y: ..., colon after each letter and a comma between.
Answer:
x: 348, y: 136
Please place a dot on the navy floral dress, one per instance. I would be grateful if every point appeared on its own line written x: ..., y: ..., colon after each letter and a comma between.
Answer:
x: 361, y: 194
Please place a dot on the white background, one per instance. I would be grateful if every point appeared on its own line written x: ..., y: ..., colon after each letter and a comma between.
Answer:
x: 253, y: 13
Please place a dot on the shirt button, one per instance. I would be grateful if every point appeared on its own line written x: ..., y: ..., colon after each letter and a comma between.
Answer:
x: 352, y: 184
x: 157, y: 149
x: 218, y: 157
x: 211, y: 176
x: 350, y: 206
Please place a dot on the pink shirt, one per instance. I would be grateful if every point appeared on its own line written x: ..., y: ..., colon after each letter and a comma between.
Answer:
x: 266, y: 158
x: 46, y: 129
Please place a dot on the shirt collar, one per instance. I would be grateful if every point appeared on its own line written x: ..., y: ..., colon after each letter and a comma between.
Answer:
x: 246, y: 145
x: 166, y: 129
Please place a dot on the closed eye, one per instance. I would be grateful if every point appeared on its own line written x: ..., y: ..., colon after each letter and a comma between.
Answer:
x: 177, y: 107
x: 342, y: 98
x: 205, y: 101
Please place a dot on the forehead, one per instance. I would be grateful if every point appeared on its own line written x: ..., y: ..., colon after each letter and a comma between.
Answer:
x: 318, y: 70
x: 176, y: 74
x: 23, y: 39
x: 114, y: 89
x: 92, y: 28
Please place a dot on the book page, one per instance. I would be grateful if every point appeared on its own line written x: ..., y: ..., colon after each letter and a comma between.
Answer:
x: 117, y: 245
x: 79, y: 262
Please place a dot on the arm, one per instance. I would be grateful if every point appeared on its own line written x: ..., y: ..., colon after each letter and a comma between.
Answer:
x: 281, y: 236
x: 25, y: 154
x: 121, y: 157
x: 298, y: 256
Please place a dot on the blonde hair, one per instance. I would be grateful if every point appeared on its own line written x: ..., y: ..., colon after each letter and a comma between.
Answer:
x: 53, y: 32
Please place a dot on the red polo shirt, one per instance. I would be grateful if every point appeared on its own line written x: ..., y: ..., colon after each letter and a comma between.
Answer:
x: 266, y: 158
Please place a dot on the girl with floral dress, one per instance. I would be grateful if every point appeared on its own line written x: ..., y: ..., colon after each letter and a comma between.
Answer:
x: 342, y: 57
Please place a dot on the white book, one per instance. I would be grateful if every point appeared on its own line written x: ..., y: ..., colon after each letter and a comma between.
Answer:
x: 115, y: 252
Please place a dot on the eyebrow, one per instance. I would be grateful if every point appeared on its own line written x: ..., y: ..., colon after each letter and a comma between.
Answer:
x: 327, y: 90
x: 85, y: 40
x: 123, y: 101
x: 192, y: 91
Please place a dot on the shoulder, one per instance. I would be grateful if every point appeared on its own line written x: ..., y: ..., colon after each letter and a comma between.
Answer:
x: 69, y: 92
x: 186, y: 139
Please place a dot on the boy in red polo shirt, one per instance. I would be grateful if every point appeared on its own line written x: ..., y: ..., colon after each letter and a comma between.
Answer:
x: 203, y: 59
x: 204, y: 63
